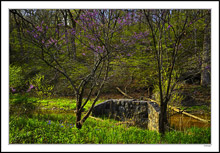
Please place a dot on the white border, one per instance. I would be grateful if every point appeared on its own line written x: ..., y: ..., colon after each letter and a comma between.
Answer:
x: 5, y: 6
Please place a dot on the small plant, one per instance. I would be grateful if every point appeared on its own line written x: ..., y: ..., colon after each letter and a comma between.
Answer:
x: 22, y: 104
x: 15, y: 78
x: 60, y: 129
x: 41, y: 88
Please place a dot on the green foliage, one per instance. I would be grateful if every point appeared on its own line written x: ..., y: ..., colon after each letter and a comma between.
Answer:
x: 42, y: 88
x: 22, y: 104
x: 15, y: 76
x: 60, y: 129
x: 64, y: 103
x: 190, y: 136
x: 197, y: 108
x: 175, y: 94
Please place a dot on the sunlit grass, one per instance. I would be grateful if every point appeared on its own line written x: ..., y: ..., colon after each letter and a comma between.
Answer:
x: 52, y: 103
x: 56, y: 128
x: 59, y: 128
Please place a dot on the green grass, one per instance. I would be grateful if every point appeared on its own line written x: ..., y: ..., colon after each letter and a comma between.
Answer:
x: 49, y: 103
x: 196, y: 108
x: 42, y: 128
x: 60, y: 129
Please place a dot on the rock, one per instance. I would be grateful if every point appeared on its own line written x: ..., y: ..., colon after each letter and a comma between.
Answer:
x: 144, y: 113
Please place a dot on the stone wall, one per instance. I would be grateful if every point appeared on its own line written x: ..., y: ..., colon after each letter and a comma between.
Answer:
x: 153, y: 116
x: 142, y: 113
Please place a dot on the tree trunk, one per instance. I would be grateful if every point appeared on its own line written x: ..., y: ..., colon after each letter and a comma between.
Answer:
x: 78, y: 112
x: 205, y: 75
x: 163, y: 118
x: 73, y: 42
x: 19, y: 38
x: 73, y: 35
x: 78, y: 119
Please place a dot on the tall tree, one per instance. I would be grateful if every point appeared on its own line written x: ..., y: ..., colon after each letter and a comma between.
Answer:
x: 205, y: 71
x: 176, y: 22
x: 95, y: 35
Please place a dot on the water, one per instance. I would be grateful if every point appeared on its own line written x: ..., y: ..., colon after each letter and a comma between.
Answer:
x: 182, y: 122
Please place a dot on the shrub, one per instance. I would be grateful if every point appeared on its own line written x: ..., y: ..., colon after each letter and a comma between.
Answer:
x: 15, y: 77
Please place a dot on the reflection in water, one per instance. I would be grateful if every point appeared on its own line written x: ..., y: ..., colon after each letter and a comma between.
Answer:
x: 182, y: 122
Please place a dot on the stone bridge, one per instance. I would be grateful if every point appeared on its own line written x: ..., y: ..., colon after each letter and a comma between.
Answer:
x: 144, y: 113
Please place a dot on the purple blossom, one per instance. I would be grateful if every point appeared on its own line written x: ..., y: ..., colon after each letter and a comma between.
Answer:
x: 119, y: 20
x: 31, y: 86
x: 180, y: 45
x: 91, y: 46
x: 60, y: 24
x: 83, y: 54
x: 169, y: 26
x: 39, y: 29
x: 128, y: 54
x: 52, y: 40
x: 46, y: 27
x: 146, y: 33
x: 207, y: 67
x: 42, y: 41
x: 123, y: 41
x: 28, y: 90
x: 93, y: 39
x: 12, y: 89
x: 190, y: 23
x: 73, y: 32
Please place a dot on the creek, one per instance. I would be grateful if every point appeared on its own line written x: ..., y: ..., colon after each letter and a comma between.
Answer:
x: 182, y: 122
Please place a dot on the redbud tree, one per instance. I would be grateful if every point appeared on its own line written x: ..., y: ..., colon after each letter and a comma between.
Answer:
x: 98, y: 37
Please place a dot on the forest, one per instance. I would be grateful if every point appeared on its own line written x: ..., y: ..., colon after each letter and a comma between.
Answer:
x: 66, y: 62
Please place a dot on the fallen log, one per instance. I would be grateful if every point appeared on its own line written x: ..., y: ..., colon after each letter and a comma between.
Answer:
x: 171, y: 107
x: 126, y: 95
x: 183, y: 112
x: 95, y: 118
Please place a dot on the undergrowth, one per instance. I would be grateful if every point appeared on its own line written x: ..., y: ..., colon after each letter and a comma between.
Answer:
x: 60, y: 129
